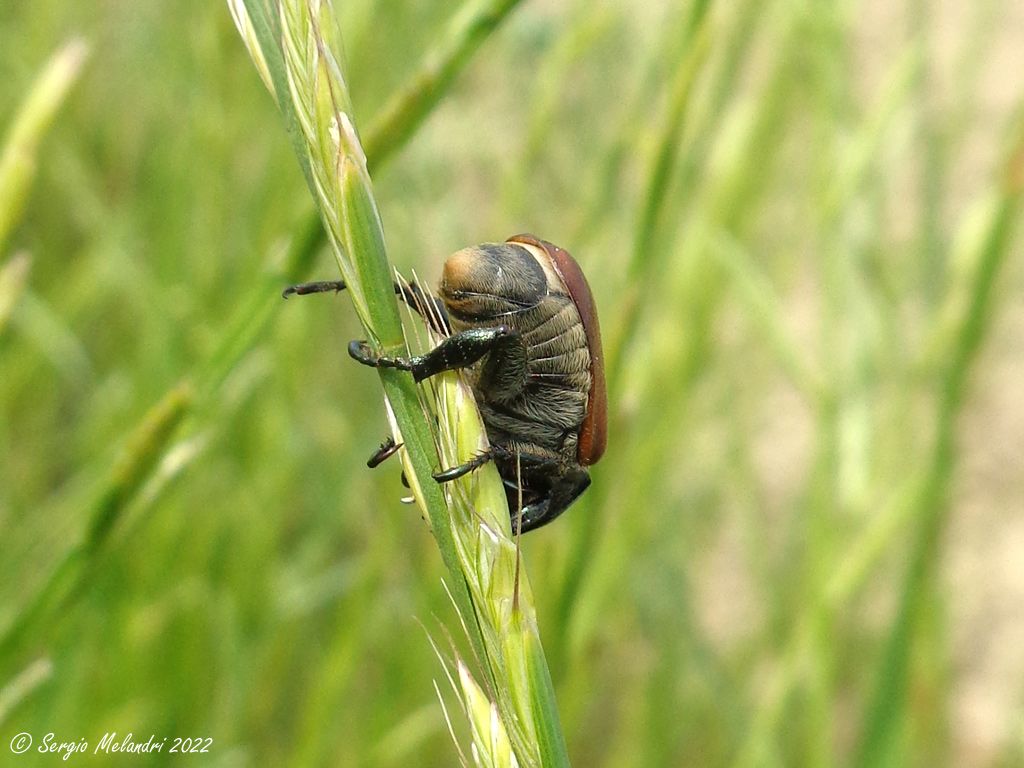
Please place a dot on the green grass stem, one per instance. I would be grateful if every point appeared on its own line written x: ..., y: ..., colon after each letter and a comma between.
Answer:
x: 472, y: 533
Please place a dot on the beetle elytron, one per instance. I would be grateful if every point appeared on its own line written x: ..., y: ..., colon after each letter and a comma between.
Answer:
x: 521, y: 322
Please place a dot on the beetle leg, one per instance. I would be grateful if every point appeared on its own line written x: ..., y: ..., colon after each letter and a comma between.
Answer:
x: 430, y: 308
x: 564, y: 492
x: 386, y: 450
x: 447, y: 475
x: 458, y: 351
x: 494, y: 451
x: 320, y: 286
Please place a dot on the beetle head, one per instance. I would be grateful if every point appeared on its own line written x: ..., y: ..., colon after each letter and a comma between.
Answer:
x: 492, y: 279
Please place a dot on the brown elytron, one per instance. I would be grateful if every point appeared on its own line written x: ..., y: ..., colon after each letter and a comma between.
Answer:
x: 594, y: 434
x: 523, y: 326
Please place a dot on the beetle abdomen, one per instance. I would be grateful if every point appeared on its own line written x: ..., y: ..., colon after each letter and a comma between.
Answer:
x: 557, y: 347
x: 545, y: 411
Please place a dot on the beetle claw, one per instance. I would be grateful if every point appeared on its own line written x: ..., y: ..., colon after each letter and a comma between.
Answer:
x: 360, y: 351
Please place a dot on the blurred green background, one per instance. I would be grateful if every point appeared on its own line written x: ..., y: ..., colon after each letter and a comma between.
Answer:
x: 805, y: 545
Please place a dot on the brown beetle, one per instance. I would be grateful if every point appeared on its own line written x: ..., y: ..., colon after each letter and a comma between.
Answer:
x: 520, y: 320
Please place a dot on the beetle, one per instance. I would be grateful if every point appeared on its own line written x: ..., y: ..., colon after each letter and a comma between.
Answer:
x: 520, y: 321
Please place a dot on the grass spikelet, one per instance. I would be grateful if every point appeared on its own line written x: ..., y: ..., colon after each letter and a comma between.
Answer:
x: 491, y: 747
x: 489, y: 556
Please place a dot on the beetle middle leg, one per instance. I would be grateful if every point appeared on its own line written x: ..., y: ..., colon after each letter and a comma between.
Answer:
x: 529, y: 460
x: 454, y: 473
x: 458, y: 351
x: 557, y: 494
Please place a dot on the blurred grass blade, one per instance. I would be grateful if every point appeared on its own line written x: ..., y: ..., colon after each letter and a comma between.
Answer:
x: 140, y: 454
x: 697, y: 31
x: 13, y: 276
x: 863, y: 151
x: 767, y: 312
x: 409, y: 107
x: 21, y: 686
x: 401, y: 744
x: 42, y: 325
x: 887, y: 713
x: 20, y: 151
x: 864, y: 554
x: 161, y: 476
x: 669, y: 146
x: 551, y: 743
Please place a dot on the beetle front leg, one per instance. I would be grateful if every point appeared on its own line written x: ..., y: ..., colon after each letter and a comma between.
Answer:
x: 458, y: 351
x: 320, y: 286
x: 430, y: 308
